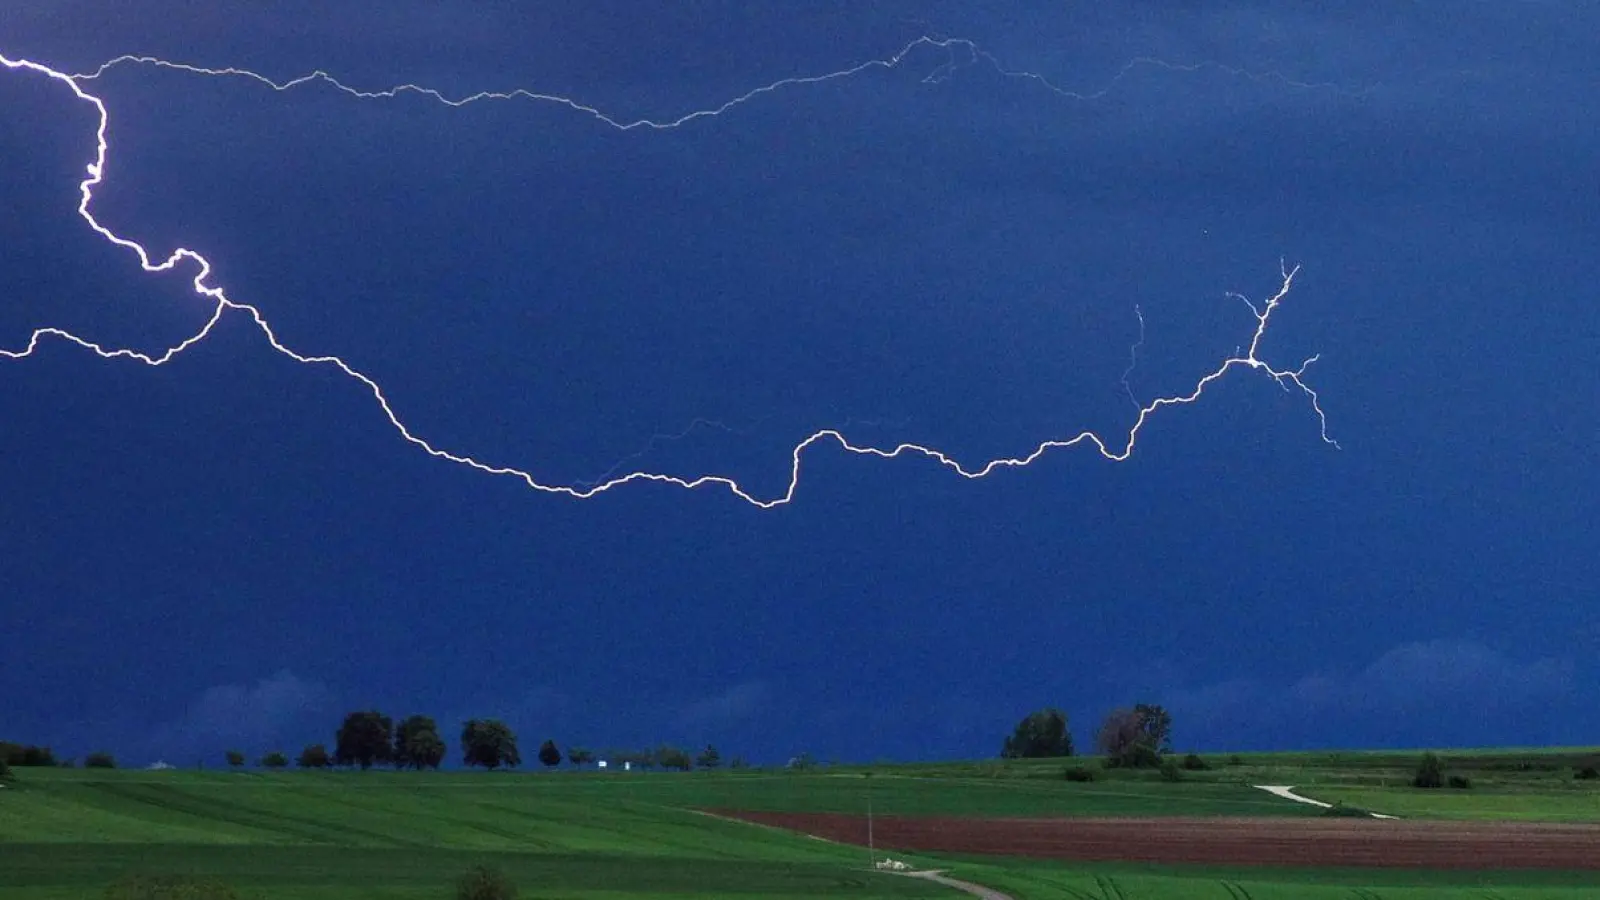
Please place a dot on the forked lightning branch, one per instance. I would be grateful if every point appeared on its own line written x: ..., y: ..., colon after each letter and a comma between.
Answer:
x: 959, y: 53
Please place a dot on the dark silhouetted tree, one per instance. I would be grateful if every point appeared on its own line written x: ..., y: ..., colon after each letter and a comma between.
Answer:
x: 1430, y: 773
x: 1156, y: 723
x: 1039, y: 734
x: 428, y: 750
x: 314, y: 756
x: 550, y: 754
x: 672, y: 758
x: 100, y: 759
x: 579, y: 756
x: 275, y: 760
x: 1124, y: 741
x: 709, y: 758
x: 417, y: 744
x: 489, y: 743
x: 364, y: 738
x: 235, y: 758
x: 20, y: 755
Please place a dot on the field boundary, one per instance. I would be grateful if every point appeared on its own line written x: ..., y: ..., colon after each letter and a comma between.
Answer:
x: 1287, y: 792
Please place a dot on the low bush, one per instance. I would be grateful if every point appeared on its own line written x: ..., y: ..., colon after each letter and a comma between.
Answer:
x: 1235, y: 760
x: 19, y: 755
x: 1587, y: 773
x: 1460, y: 782
x: 1194, y: 763
x: 1138, y: 756
x: 1429, y: 772
x: 1079, y: 773
x: 5, y: 771
x: 485, y: 883
x: 169, y: 887
x: 1170, y: 771
x: 100, y: 759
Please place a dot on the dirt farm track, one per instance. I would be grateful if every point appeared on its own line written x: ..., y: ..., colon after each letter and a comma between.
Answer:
x: 1298, y: 842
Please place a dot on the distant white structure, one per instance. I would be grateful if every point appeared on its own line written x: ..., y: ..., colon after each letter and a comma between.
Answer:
x: 602, y: 764
x: 160, y: 764
x: 893, y: 865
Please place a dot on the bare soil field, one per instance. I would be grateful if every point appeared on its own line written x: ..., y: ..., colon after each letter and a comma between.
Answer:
x: 1287, y: 842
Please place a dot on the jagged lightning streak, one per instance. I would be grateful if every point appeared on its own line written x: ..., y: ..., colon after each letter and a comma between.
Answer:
x: 1133, y: 359
x: 96, y: 171
x: 938, y: 75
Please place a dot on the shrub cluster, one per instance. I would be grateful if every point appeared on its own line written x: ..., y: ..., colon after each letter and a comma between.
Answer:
x: 100, y: 759
x: 25, y: 755
x: 1587, y: 772
x: 1194, y: 763
x: 1079, y: 773
x: 485, y: 883
x: 1430, y: 773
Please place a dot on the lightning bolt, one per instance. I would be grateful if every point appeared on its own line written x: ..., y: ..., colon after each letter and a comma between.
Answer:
x: 1133, y: 359
x: 1289, y: 379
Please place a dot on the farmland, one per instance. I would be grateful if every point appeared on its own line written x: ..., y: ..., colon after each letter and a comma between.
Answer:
x: 67, y: 833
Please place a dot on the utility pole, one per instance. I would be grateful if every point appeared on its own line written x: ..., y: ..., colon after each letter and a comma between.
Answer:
x: 872, y: 853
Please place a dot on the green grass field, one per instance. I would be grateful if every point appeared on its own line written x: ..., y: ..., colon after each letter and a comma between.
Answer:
x: 67, y: 833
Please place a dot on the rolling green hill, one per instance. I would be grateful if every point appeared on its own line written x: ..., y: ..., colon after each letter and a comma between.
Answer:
x: 67, y: 833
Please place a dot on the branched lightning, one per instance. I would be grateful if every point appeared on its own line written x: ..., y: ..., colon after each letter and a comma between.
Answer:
x: 1133, y: 359
x: 96, y: 172
x: 952, y: 46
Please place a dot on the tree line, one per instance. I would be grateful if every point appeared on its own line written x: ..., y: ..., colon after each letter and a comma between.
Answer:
x: 13, y: 754
x: 1134, y: 737
x: 368, y: 738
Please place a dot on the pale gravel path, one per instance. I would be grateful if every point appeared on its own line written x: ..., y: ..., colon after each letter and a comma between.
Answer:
x: 934, y: 875
x: 976, y: 890
x: 1286, y: 791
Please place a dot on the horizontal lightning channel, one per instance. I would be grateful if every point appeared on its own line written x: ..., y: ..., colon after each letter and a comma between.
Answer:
x: 97, y: 169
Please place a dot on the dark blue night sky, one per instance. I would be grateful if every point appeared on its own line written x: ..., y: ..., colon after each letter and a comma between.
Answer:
x: 233, y: 549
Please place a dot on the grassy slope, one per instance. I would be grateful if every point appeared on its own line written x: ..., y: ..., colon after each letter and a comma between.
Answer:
x: 1527, y: 784
x: 1030, y: 880
x: 1507, y: 784
x: 405, y: 835
x: 401, y: 836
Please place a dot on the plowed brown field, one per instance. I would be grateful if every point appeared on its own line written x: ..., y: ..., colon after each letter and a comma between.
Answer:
x: 1289, y: 842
